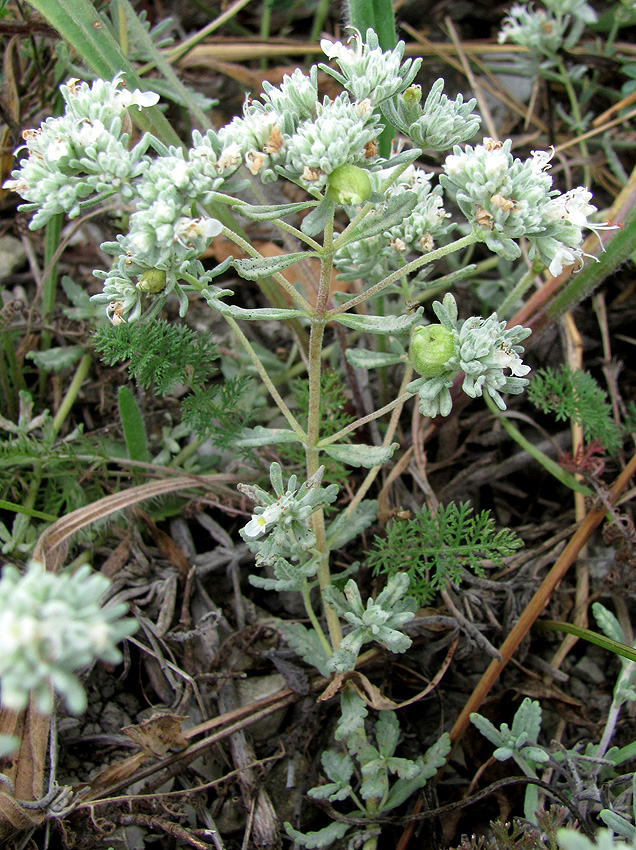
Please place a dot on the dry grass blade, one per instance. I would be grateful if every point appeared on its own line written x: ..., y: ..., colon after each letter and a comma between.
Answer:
x: 58, y: 533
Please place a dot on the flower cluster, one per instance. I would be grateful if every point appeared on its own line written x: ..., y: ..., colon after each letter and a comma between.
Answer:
x: 367, y: 72
x: 418, y: 231
x: 343, y: 132
x: 284, y: 520
x: 83, y: 156
x: 480, y: 348
x: 505, y: 199
x: 440, y: 124
x: 380, y: 620
x: 52, y: 625
x: 545, y: 31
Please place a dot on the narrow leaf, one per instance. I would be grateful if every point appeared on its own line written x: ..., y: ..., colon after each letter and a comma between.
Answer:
x: 360, y: 455
x: 267, y: 212
x: 378, y: 324
x: 362, y: 358
x: 260, y: 436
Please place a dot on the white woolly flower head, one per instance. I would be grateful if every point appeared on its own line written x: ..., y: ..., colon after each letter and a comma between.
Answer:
x: 53, y: 624
x: 483, y: 349
x: 367, y: 71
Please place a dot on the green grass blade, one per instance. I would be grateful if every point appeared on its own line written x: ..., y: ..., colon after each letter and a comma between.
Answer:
x: 379, y: 15
x: 133, y: 425
x: 591, y: 637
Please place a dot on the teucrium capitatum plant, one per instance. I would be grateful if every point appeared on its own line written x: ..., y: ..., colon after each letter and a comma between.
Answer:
x: 398, y: 225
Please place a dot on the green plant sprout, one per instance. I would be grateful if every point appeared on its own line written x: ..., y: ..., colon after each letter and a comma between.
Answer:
x: 398, y: 228
x: 594, y: 781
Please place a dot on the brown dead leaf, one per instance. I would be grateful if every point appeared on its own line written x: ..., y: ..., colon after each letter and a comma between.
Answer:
x: 158, y: 735
x: 166, y: 545
x: 372, y: 695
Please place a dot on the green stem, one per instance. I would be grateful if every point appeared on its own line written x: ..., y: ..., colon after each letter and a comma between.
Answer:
x: 313, y: 619
x: 320, y: 16
x: 517, y: 292
x: 546, y: 462
x: 431, y: 257
x: 327, y: 441
x: 576, y: 114
x: 289, y: 416
x: 316, y: 337
x: 71, y: 394
x: 49, y: 282
x: 388, y: 438
x: 596, y: 638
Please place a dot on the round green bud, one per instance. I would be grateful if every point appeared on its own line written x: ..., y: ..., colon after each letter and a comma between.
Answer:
x: 153, y: 281
x: 348, y: 184
x: 431, y: 348
x: 413, y: 94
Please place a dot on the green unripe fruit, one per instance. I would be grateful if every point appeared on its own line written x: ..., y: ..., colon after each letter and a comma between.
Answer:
x: 348, y: 184
x: 152, y: 281
x: 431, y: 348
x: 413, y: 94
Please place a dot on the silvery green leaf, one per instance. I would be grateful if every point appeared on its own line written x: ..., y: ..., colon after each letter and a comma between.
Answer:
x: 54, y: 359
x: 387, y: 732
x: 535, y: 754
x: 376, y: 785
x: 260, y: 436
x: 396, y: 209
x: 276, y: 477
x: 527, y: 720
x: 337, y: 766
x: 278, y: 585
x: 503, y: 753
x: 403, y: 158
x: 394, y: 591
x: 322, y: 838
x: 253, y: 268
x: 267, y: 212
x: 428, y: 765
x: 257, y: 315
x: 346, y: 528
x: 608, y: 623
x: 316, y: 221
x: 618, y: 824
x: 378, y: 324
x: 362, y: 358
x: 404, y: 768
x: 359, y: 455
x: 354, y: 711
x: 487, y: 729
x: 306, y: 644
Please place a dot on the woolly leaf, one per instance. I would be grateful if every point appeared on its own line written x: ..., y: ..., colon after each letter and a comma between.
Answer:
x: 359, y: 455
x: 364, y: 359
x: 267, y: 212
x: 322, y: 838
x: 253, y: 268
x: 378, y: 324
x: 260, y: 436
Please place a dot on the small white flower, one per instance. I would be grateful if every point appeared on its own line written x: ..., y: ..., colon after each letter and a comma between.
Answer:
x: 564, y: 256
x: 137, y: 98
x: 508, y: 359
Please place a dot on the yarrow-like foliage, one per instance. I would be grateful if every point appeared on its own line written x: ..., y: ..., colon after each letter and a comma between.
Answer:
x: 52, y: 625
x: 480, y: 348
x: 506, y: 199
x: 366, y: 71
